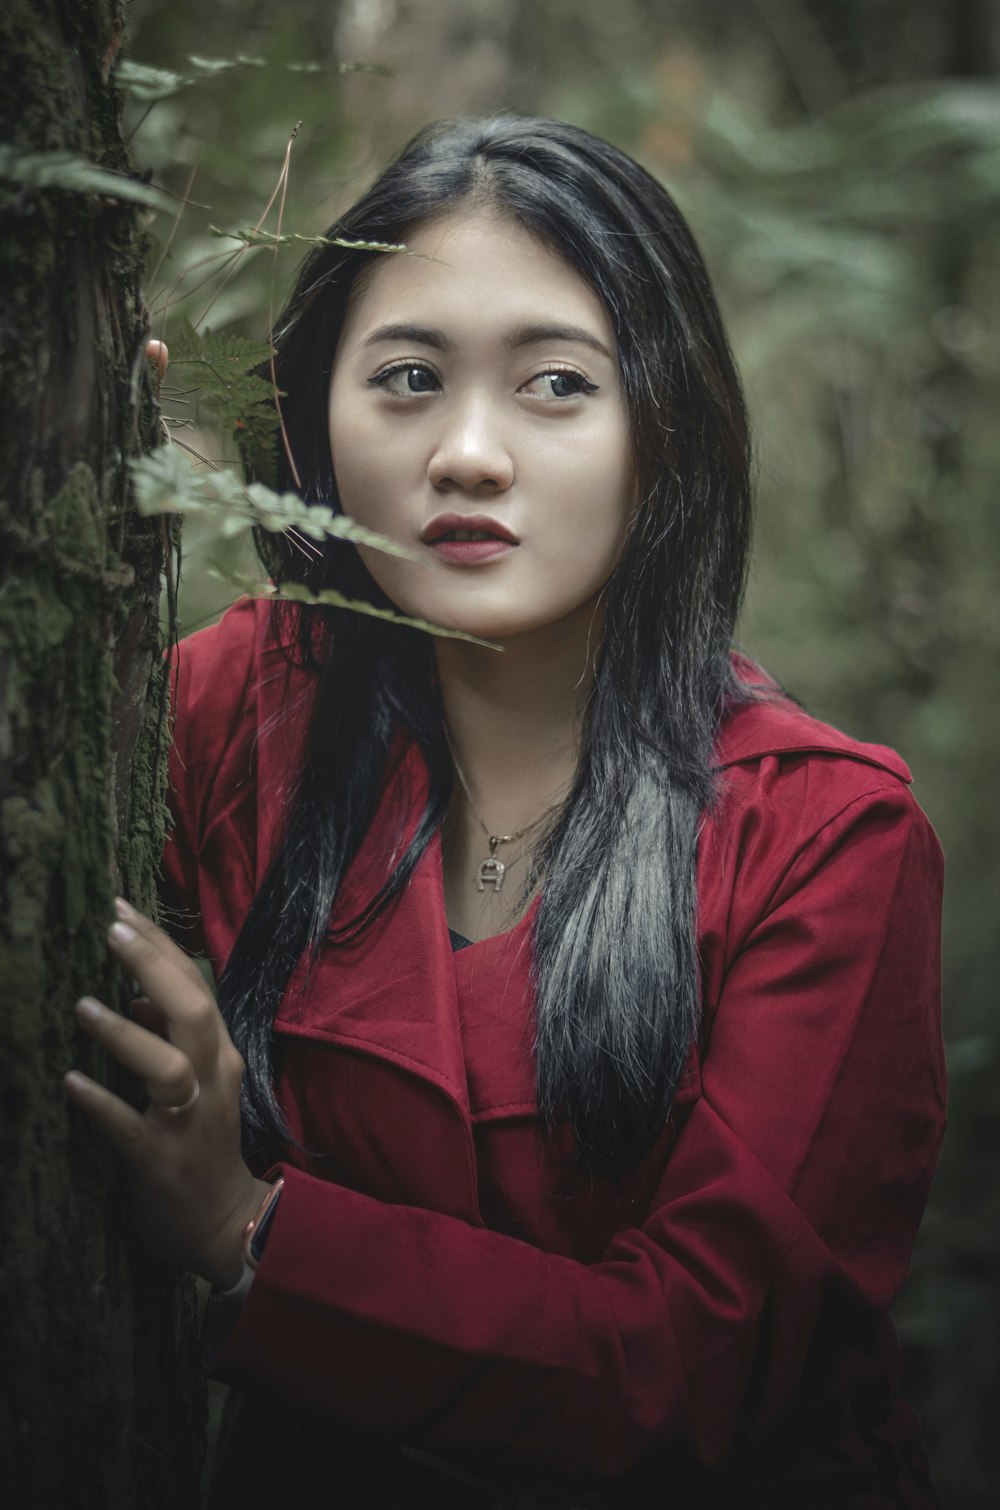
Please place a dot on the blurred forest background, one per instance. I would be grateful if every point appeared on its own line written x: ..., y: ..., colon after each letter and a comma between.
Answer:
x: 840, y: 163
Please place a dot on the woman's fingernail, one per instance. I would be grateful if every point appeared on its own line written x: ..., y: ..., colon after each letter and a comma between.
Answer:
x: 123, y: 909
x: 88, y: 1008
x: 121, y: 933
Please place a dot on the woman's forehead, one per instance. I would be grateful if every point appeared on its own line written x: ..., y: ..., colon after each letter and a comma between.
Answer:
x: 471, y: 269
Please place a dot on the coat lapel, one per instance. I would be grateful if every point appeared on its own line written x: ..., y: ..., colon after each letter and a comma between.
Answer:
x: 497, y: 1021
x: 390, y: 1099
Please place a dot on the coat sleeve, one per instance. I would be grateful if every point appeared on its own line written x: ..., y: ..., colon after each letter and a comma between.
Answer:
x: 209, y: 675
x: 795, y: 1187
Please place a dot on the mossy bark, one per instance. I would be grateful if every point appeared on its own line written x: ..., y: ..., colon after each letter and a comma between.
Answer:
x: 101, y: 1404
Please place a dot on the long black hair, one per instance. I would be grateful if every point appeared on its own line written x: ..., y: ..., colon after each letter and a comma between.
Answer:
x: 613, y: 947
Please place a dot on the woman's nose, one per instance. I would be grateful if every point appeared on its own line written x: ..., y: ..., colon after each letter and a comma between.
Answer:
x: 471, y: 454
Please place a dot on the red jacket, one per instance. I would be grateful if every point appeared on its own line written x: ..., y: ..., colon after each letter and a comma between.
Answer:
x: 711, y: 1329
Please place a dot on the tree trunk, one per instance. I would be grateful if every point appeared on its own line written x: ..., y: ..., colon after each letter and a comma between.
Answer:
x: 101, y: 1404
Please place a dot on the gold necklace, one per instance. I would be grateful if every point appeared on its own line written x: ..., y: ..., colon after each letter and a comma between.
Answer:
x: 491, y: 871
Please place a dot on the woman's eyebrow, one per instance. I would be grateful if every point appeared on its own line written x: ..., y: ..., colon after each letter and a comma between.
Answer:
x: 420, y: 335
x: 524, y: 335
x: 531, y: 335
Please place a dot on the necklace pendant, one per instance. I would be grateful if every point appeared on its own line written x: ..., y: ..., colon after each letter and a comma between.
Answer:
x: 491, y: 871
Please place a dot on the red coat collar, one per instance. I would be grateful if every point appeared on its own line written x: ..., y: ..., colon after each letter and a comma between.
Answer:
x: 772, y: 725
x: 775, y: 725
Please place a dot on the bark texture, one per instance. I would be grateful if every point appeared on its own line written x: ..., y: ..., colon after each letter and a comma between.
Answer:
x: 100, y: 1401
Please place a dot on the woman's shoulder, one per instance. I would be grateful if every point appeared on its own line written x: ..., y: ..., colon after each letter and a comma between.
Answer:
x: 218, y: 667
x: 767, y: 722
x: 231, y: 680
x: 789, y: 775
x: 811, y: 820
x: 216, y: 656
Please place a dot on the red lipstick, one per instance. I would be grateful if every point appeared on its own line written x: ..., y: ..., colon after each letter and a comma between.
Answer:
x: 468, y: 539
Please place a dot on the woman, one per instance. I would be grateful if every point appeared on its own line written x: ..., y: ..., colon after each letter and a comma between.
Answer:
x: 587, y: 991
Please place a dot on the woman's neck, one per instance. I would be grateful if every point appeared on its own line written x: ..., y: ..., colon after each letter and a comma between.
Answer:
x: 515, y: 717
x: 514, y: 722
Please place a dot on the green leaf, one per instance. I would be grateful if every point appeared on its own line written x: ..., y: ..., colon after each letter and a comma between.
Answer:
x: 242, y: 401
x: 169, y: 481
x: 294, y: 592
x: 377, y: 68
x: 251, y: 236
x: 220, y: 350
x: 213, y: 65
x: 76, y: 175
x: 152, y: 84
x: 145, y: 83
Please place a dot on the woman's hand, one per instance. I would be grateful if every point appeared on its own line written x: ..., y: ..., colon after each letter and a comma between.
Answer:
x: 191, y: 1190
x: 157, y: 353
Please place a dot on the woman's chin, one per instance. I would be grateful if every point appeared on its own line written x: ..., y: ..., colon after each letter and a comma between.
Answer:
x: 478, y: 620
x: 498, y: 628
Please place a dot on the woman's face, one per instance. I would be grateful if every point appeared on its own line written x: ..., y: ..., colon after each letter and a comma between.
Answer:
x: 476, y: 416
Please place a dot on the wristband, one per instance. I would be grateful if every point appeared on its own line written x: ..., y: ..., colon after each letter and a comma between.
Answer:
x: 254, y: 1237
x: 255, y: 1231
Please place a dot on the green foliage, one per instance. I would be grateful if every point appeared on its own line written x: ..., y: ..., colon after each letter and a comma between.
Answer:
x: 169, y: 481
x: 150, y: 85
x: 75, y: 175
x: 254, y: 236
x: 153, y: 84
x: 230, y: 389
x: 328, y: 597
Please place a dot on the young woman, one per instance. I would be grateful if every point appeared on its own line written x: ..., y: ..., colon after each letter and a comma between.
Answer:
x: 584, y: 992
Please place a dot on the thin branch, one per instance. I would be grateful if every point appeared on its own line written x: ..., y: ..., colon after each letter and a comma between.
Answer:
x: 187, y: 272
x: 177, y: 220
x: 286, y: 443
x: 278, y: 189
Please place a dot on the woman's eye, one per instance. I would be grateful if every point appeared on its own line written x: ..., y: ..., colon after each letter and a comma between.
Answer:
x: 559, y: 384
x: 406, y: 380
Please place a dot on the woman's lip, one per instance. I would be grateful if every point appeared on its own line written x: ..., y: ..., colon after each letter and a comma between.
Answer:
x: 448, y: 524
x: 471, y: 552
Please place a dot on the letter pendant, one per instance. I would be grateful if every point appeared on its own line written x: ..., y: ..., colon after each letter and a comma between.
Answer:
x: 491, y: 870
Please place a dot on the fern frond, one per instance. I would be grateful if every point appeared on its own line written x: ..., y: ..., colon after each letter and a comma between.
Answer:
x: 218, y: 65
x: 150, y: 84
x: 169, y: 482
x: 76, y: 175
x: 237, y: 398
x: 209, y: 346
x: 294, y: 592
x: 253, y: 236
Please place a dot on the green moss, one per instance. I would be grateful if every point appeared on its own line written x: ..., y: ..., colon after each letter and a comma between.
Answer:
x: 73, y: 513
x: 31, y: 833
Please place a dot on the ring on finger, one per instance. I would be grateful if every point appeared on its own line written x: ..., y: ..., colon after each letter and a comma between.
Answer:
x: 184, y: 1106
